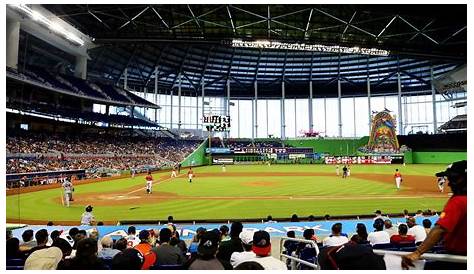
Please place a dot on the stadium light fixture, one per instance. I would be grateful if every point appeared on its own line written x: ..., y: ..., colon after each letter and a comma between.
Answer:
x: 266, y: 44
x: 54, y: 26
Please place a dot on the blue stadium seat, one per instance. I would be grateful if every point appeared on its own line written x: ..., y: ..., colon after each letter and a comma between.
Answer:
x: 387, y: 246
x: 309, y: 255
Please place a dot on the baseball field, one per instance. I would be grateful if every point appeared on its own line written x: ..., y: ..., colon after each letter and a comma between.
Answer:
x: 250, y: 191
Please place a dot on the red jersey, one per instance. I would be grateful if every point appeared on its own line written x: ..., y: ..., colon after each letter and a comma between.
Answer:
x: 397, y: 175
x: 147, y: 253
x: 149, y: 178
x: 454, y: 220
x: 398, y: 239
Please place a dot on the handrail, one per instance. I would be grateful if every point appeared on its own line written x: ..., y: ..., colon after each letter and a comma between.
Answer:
x: 428, y: 256
x: 312, y: 243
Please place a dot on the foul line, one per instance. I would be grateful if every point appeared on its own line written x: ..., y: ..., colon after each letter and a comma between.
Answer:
x: 155, y: 182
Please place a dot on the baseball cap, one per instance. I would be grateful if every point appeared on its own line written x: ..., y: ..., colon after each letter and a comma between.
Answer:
x: 378, y: 211
x: 456, y: 168
x: 44, y: 259
x: 246, y: 237
x: 89, y: 208
x: 208, y: 244
x: 144, y: 234
x: 261, y: 243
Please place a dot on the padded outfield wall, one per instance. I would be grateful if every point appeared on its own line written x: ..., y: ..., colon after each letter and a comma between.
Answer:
x: 198, y: 157
x: 434, y: 157
x: 337, y: 147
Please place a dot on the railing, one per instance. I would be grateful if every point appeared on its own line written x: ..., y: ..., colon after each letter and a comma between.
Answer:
x: 427, y: 256
x: 294, y: 259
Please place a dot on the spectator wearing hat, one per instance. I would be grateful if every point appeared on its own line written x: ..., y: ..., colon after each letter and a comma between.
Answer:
x: 85, y: 258
x: 145, y: 249
x: 195, y: 241
x: 379, y: 236
x: 44, y: 259
x: 41, y: 237
x: 378, y: 214
x: 452, y: 223
x: 416, y: 230
x: 206, y: 254
x: 28, y: 241
x: 167, y: 254
x: 389, y: 228
x: 262, y: 248
x: 128, y: 259
x: 107, y: 252
x: 249, y: 265
x: 233, y: 245
x: 336, y: 238
x: 87, y: 217
x: 246, y: 237
x: 402, y: 238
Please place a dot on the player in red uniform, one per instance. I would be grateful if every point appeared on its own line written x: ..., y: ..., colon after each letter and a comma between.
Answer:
x: 190, y: 175
x: 149, y: 183
x: 398, y: 178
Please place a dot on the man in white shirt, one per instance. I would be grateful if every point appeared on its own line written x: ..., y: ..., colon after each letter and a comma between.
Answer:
x: 417, y: 231
x: 391, y: 230
x: 132, y: 238
x: 262, y: 249
x: 335, y: 239
x: 238, y: 257
x: 379, y: 236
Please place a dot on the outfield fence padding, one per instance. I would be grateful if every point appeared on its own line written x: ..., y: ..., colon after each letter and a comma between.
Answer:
x: 198, y: 157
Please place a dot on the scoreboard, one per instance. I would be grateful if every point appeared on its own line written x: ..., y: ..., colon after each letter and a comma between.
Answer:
x: 216, y: 122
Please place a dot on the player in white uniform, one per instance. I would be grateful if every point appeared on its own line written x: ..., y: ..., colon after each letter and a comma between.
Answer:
x: 337, y: 170
x: 67, y: 187
x: 441, y: 182
x: 223, y: 168
x: 173, y: 173
x: 87, y: 217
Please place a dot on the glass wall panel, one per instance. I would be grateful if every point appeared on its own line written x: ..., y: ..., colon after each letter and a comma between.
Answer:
x: 318, y: 116
x: 302, y: 118
x: 290, y: 118
x: 262, y: 119
x: 362, y: 120
x: 332, y: 119
x: 245, y: 121
x: 347, y: 110
x: 274, y: 118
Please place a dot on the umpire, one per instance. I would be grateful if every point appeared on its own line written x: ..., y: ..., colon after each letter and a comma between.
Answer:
x: 451, y: 225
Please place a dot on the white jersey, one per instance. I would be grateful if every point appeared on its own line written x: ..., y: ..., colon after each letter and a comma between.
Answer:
x: 269, y: 263
x: 335, y: 241
x: 67, y: 186
x: 418, y: 232
x: 132, y: 241
x: 238, y: 257
x: 378, y: 237
x: 87, y: 218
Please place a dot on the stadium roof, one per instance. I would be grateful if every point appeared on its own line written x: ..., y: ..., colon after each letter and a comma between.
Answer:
x: 194, y: 40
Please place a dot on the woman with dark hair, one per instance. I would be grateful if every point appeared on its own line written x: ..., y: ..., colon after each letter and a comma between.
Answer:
x: 86, y: 257
x: 121, y: 244
x: 361, y: 231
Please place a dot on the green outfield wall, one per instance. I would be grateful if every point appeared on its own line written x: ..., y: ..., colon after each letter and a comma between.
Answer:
x: 331, y: 146
x: 198, y: 157
x: 434, y: 157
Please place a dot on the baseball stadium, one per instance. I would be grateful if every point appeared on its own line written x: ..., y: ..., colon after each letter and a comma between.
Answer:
x: 232, y: 136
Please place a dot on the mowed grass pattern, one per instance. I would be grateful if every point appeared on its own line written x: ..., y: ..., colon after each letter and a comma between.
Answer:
x: 43, y: 205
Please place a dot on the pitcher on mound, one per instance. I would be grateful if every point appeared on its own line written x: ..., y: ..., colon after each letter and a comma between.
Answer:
x: 149, y: 183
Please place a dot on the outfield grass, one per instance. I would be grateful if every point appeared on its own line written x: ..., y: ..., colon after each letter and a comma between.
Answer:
x: 42, y: 205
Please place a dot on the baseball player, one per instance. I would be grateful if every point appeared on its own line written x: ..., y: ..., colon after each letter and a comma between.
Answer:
x: 223, y: 168
x: 398, y: 178
x: 190, y: 175
x: 441, y: 181
x: 337, y: 170
x: 173, y: 172
x: 348, y: 171
x: 87, y: 217
x: 344, y: 172
x: 67, y: 187
x: 149, y: 182
x: 132, y: 172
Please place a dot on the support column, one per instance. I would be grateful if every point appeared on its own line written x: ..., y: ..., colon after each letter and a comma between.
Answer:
x: 339, y: 111
x: 400, y: 115
x: 125, y: 84
x: 80, y: 69
x: 282, y: 110
x: 156, y: 93
x: 13, y: 41
x: 354, y: 107
x: 266, y: 114
x: 202, y: 105
x: 310, y: 106
x: 325, y: 119
x: 296, y: 129
x: 197, y: 110
x: 171, y: 104
x: 179, y: 100
x: 227, y: 105
x: 368, y: 102
x: 433, y: 93
x: 238, y: 118
x: 255, y: 85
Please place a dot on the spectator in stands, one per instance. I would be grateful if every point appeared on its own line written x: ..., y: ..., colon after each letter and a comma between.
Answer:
x: 452, y: 223
x: 379, y: 236
x: 427, y: 225
x: 402, y: 238
x: 378, y: 214
x: 327, y: 217
x: 311, y: 218
x: 237, y: 257
x: 13, y: 249
x: 361, y: 231
x: 294, y: 218
x: 44, y: 259
x: 145, y: 249
x: 41, y: 237
x: 249, y: 265
x: 176, y: 241
x: 121, y: 244
x: 262, y: 248
x: 9, y: 234
x: 335, y: 239
x: 165, y: 253
x: 269, y: 219
x: 54, y: 235
x: 65, y: 247
x: 28, y: 241
x: 206, y: 255
x: 308, y: 234
x: 132, y: 239
x: 416, y: 230
x: 233, y: 245
x: 405, y: 214
x: 419, y: 214
x: 50, y: 223
x: 73, y: 231
x: 85, y: 258
x: 195, y: 241
x: 389, y: 228
x: 128, y: 259
x: 107, y: 252
x: 224, y: 230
